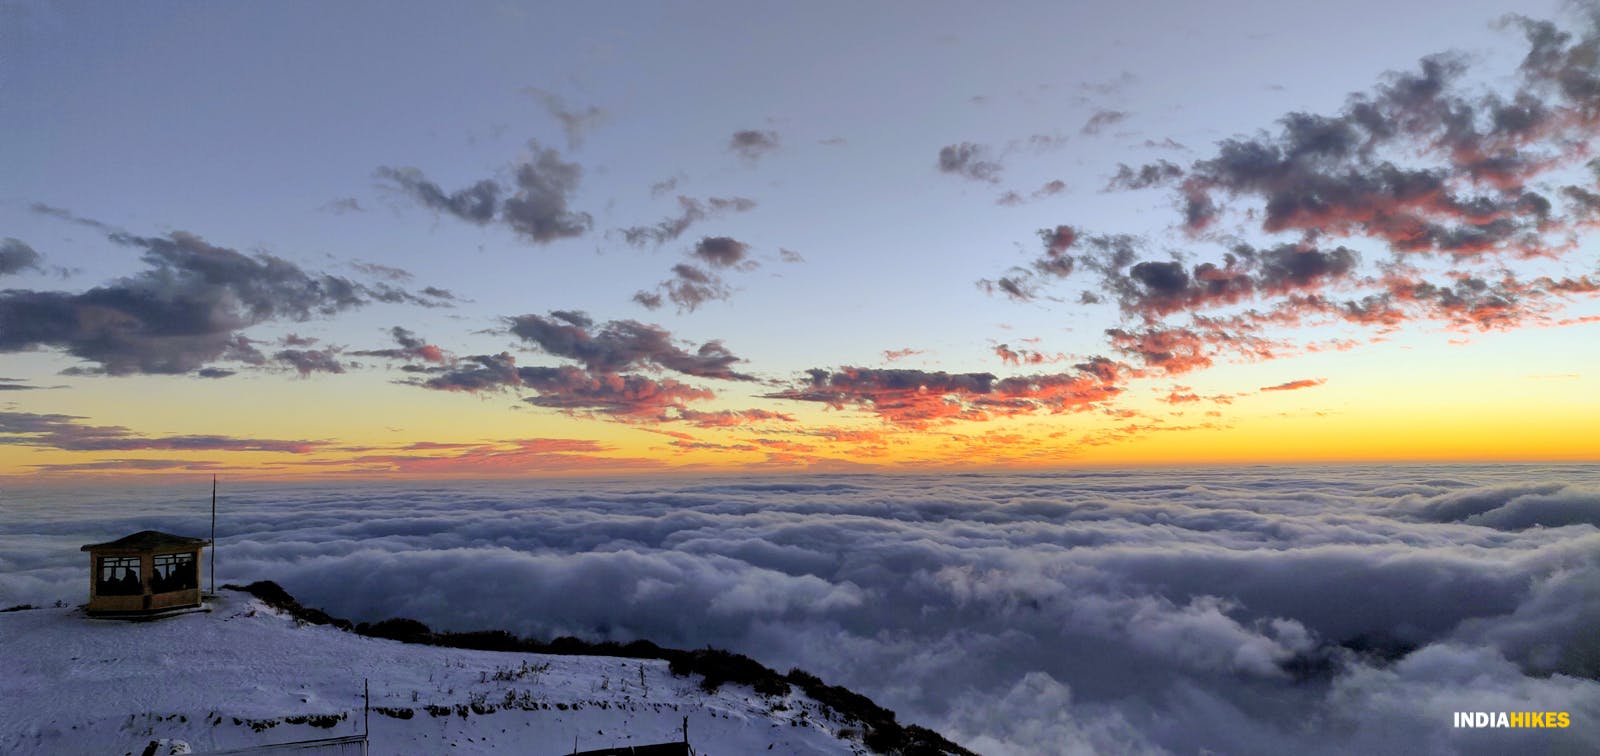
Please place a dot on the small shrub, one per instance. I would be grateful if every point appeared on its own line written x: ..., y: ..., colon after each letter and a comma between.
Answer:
x: 401, y: 629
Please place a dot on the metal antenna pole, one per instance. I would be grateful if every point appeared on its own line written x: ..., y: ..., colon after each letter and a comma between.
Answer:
x: 213, y: 535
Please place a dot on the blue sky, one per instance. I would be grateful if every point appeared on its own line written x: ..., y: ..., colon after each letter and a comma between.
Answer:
x: 265, y: 129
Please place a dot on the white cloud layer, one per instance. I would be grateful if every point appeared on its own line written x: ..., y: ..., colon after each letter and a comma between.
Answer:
x: 1241, y: 610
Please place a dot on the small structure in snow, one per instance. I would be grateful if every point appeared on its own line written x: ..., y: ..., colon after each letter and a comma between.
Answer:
x: 658, y: 749
x: 680, y: 748
x: 146, y: 573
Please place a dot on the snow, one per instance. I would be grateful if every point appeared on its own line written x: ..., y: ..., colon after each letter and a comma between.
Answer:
x: 232, y: 677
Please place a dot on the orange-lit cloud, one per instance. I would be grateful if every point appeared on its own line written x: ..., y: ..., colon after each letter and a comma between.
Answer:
x: 1171, y: 350
x: 731, y: 418
x: 530, y: 456
x: 409, y: 347
x: 1452, y: 180
x: 1018, y: 357
x: 1292, y: 385
x: 918, y: 398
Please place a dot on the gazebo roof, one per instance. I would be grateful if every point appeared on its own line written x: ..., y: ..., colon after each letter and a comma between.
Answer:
x: 145, y: 540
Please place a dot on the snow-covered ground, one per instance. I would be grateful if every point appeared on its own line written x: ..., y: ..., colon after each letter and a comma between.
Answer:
x: 245, y: 674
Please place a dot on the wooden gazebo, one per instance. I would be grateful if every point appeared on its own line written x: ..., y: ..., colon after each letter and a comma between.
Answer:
x: 146, y: 573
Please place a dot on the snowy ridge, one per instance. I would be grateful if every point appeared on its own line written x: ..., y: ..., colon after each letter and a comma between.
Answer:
x: 248, y: 674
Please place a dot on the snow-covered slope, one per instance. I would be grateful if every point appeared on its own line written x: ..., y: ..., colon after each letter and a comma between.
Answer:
x: 246, y: 674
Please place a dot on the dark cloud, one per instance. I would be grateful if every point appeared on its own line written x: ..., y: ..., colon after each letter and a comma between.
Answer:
x: 187, y: 308
x: 430, y: 297
x: 64, y: 214
x: 1049, y: 189
x: 68, y: 433
x: 1170, y: 350
x: 790, y: 256
x: 1159, y: 173
x: 1448, y: 177
x: 1101, y: 120
x: 752, y: 145
x: 567, y: 388
x: 387, y: 272
x: 1164, y: 287
x: 1057, y: 241
x: 410, y: 348
x: 1066, y: 249
x: 535, y: 204
x: 721, y: 251
x: 478, y: 203
x: 920, y: 398
x: 342, y: 206
x: 1152, y: 290
x: 607, y: 379
x: 106, y: 465
x: 1022, y: 287
x: 1466, y: 302
x: 1324, y: 173
x: 1294, y: 266
x: 1111, y: 86
x: 308, y: 361
x: 693, y: 211
x: 621, y: 345
x: 576, y: 123
x: 1039, y: 143
x: 1164, y: 144
x: 664, y: 186
x: 690, y: 287
x: 1161, y: 279
x: 538, y: 210
x: 1584, y: 202
x: 1025, y: 356
x: 1289, y: 276
x: 16, y: 256
x: 970, y: 161
x: 1102, y: 252
x: 475, y: 373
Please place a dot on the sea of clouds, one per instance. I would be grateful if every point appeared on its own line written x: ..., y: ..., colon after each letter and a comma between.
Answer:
x: 1240, y: 610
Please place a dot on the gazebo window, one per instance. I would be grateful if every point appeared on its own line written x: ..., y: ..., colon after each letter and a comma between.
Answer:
x: 145, y: 574
x: 173, y: 572
x: 118, y: 576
